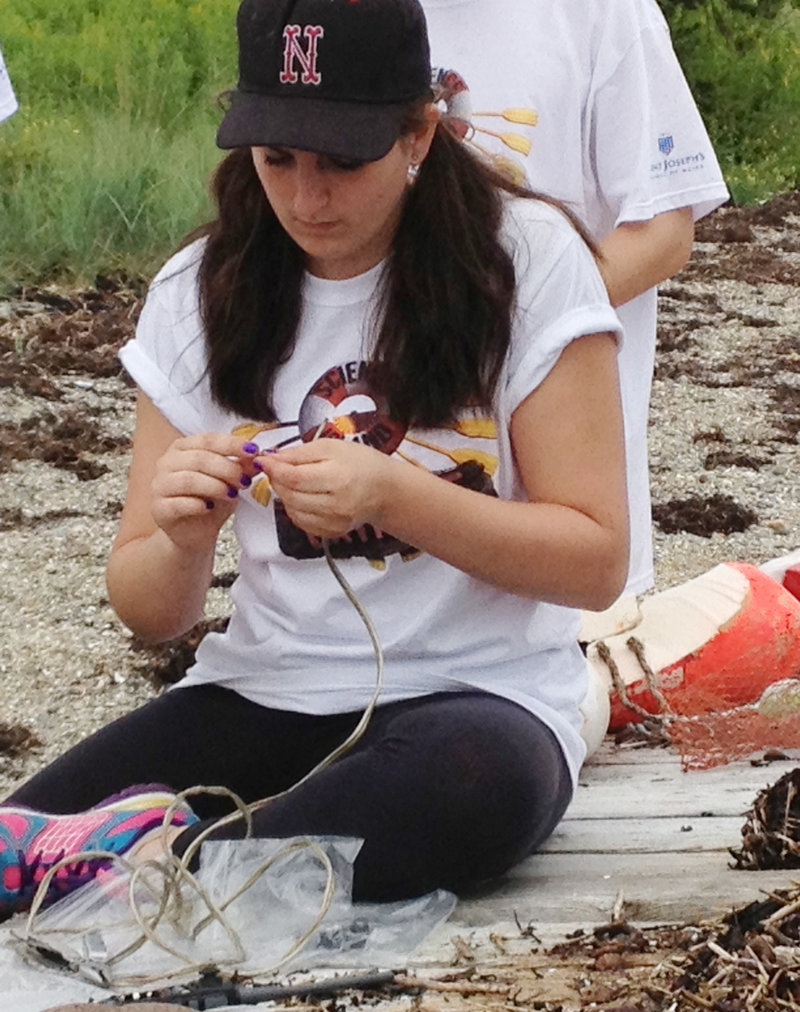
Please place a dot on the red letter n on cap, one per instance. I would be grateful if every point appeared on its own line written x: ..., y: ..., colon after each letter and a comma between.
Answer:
x: 307, y: 58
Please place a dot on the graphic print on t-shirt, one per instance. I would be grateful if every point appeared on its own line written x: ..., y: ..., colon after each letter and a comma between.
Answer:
x: 451, y: 93
x: 340, y: 405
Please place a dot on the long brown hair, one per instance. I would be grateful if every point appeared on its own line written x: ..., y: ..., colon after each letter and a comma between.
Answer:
x: 443, y: 323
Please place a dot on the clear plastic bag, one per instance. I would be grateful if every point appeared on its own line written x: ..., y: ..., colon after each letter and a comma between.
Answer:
x: 30, y: 987
x: 253, y: 906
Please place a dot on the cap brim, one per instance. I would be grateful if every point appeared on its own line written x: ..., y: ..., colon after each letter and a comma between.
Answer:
x: 349, y: 130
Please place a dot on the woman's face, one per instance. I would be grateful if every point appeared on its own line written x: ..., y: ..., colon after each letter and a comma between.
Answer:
x: 341, y: 214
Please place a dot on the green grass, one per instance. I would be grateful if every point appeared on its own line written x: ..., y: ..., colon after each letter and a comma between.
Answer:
x: 744, y: 69
x: 104, y: 167
x: 83, y: 195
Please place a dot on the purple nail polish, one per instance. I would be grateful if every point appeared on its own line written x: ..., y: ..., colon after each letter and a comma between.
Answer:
x: 250, y: 448
x: 246, y: 481
x: 209, y: 504
x: 232, y: 493
x: 258, y: 465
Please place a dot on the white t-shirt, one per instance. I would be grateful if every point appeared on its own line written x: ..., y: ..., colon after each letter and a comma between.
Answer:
x: 8, y: 100
x: 294, y: 641
x: 617, y: 137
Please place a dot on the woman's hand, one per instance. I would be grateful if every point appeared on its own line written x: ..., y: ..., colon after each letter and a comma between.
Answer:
x: 181, y: 489
x: 329, y: 486
x: 195, y: 486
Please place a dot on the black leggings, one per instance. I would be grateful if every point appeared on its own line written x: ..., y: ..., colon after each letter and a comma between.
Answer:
x: 446, y: 790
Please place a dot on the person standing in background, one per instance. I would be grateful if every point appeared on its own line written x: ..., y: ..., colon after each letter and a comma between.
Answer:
x: 8, y: 100
x: 586, y: 101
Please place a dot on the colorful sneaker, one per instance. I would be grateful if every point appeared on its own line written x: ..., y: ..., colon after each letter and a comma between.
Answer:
x: 32, y: 842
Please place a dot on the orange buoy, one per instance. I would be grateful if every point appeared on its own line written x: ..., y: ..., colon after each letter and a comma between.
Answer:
x: 712, y: 643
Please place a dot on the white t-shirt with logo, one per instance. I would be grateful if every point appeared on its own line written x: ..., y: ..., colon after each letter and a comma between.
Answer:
x: 294, y: 641
x: 8, y: 100
x: 617, y: 137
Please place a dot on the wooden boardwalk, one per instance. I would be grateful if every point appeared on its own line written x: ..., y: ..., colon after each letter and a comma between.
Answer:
x: 641, y: 835
x: 641, y: 838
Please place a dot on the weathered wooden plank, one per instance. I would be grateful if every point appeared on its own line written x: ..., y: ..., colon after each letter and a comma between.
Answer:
x: 609, y: 753
x: 755, y: 777
x: 649, y: 791
x: 656, y: 887
x: 626, y: 836
x: 622, y: 801
x: 489, y: 943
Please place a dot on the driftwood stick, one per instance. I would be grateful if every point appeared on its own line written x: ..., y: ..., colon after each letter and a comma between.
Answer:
x: 464, y: 987
x: 695, y: 999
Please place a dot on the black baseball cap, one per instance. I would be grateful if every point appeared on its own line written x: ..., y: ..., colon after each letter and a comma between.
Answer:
x: 332, y: 76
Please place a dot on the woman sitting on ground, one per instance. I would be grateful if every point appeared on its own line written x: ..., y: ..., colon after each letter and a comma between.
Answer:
x: 380, y: 351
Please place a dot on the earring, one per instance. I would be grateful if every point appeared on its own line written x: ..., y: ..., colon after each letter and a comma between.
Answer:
x: 413, y: 168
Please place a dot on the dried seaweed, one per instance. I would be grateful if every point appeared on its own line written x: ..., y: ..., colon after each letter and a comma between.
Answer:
x: 771, y: 834
x: 167, y: 663
x: 16, y: 739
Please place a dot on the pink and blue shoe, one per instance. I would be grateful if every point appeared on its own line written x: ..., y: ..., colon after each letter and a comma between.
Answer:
x: 32, y: 842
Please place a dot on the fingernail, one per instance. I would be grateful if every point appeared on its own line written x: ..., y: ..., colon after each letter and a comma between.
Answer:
x: 232, y: 493
x: 250, y: 448
x: 258, y: 465
x: 209, y: 504
x: 246, y: 481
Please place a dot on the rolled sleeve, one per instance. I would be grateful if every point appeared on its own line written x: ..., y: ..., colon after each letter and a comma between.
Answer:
x: 564, y: 302
x: 167, y: 357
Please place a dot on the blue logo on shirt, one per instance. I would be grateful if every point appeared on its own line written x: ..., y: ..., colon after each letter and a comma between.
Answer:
x: 665, y: 144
